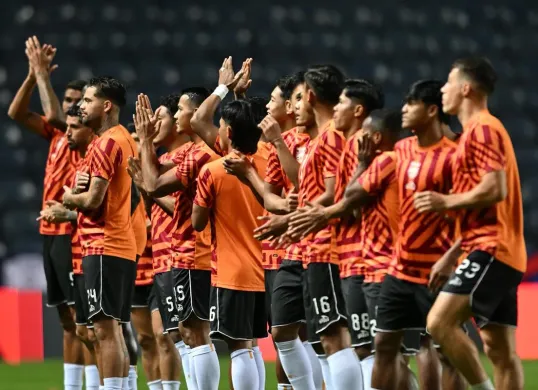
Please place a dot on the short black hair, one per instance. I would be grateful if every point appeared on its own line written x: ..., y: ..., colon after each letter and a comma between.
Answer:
x: 258, y: 105
x: 76, y: 84
x: 288, y: 83
x: 429, y: 93
x: 245, y: 131
x: 74, y: 110
x: 109, y: 88
x: 327, y: 82
x: 197, y: 95
x: 368, y: 94
x: 131, y: 127
x: 170, y: 102
x: 480, y: 71
x: 387, y: 121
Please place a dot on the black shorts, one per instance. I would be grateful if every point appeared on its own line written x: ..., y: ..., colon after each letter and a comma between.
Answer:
x: 191, y: 290
x: 109, y: 284
x: 327, y: 304
x: 164, y: 294
x: 141, y: 296
x: 402, y: 305
x: 152, y: 299
x: 357, y: 311
x: 411, y: 339
x: 270, y: 276
x: 82, y: 309
x: 491, y: 285
x: 237, y: 315
x: 57, y: 261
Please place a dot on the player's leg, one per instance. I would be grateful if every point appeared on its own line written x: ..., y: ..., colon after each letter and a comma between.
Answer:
x: 451, y: 378
x: 192, y: 289
x: 330, y: 321
x: 130, y: 348
x: 317, y: 375
x: 479, y: 286
x: 165, y: 328
x: 359, y: 324
x: 288, y: 316
x: 57, y: 259
x: 500, y: 345
x: 141, y: 319
x: 428, y: 364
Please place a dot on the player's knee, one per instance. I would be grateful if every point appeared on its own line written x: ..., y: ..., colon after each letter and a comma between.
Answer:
x: 386, y: 345
x: 500, y: 354
x: 92, y: 338
x: 82, y: 333
x: 284, y: 333
x: 164, y: 343
x: 436, y: 327
x: 146, y: 341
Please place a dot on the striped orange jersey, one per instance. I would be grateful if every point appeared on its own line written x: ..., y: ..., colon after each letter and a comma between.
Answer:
x: 162, y: 225
x: 271, y: 257
x: 60, y: 168
x: 485, y: 147
x: 236, y: 253
x: 321, y: 162
x: 380, y: 217
x: 191, y: 249
x: 144, y: 266
x: 76, y: 247
x: 108, y: 229
x: 297, y: 144
x: 422, y: 237
x: 348, y: 228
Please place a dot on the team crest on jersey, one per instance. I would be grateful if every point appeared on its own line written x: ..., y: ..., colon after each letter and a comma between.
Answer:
x: 412, y: 173
x: 300, y: 154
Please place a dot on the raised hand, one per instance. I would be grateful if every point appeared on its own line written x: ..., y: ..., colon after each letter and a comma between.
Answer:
x: 306, y: 220
x: 227, y: 76
x: 238, y: 166
x: 271, y: 129
x: 144, y: 120
x: 40, y: 57
x: 273, y: 228
x: 292, y: 199
x: 55, y: 212
x: 244, y: 82
x: 135, y: 171
x: 367, y: 149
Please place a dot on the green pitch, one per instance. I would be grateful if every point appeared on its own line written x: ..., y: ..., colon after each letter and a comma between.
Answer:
x: 48, y: 376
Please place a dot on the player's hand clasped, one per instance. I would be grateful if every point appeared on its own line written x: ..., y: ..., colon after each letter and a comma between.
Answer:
x: 430, y: 201
x: 145, y: 121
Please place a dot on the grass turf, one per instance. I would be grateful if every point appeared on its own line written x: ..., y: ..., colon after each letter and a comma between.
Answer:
x: 48, y: 376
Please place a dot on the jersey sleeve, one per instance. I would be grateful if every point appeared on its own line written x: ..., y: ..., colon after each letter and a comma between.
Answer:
x: 379, y: 174
x: 273, y: 172
x: 205, y: 190
x: 331, y: 150
x: 488, y: 150
x: 106, y: 159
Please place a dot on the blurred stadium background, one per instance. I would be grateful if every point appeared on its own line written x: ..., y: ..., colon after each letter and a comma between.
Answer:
x: 161, y: 46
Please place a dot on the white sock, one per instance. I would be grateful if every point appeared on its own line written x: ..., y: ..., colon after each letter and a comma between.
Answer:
x: 91, y: 374
x: 186, y: 363
x: 101, y: 387
x: 284, y: 386
x: 205, y: 367
x: 170, y: 385
x: 133, y: 376
x: 296, y: 365
x: 155, y: 385
x: 244, y: 371
x: 346, y: 370
x: 487, y: 385
x: 316, y: 367
x: 125, y: 383
x: 73, y: 374
x: 113, y: 383
x: 260, y: 365
x: 326, y: 371
x: 367, y: 366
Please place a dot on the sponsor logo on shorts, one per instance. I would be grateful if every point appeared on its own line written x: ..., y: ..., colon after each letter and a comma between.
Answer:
x: 455, y: 282
x: 175, y: 318
x: 180, y: 307
x: 364, y: 334
x: 92, y: 308
x: 324, y: 320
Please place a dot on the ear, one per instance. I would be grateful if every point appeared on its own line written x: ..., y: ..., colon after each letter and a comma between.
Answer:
x: 359, y: 111
x: 466, y: 88
x: 289, y: 107
x: 432, y: 111
x: 377, y: 137
x: 229, y: 132
x: 107, y: 106
x: 310, y: 96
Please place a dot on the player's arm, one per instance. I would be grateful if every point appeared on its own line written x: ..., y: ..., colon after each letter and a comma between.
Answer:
x: 444, y: 267
x: 89, y: 200
x: 167, y: 203
x: 200, y: 217
x: 40, y: 59
x: 492, y: 189
x: 202, y: 120
x: 157, y: 185
x: 55, y: 212
x: 274, y: 203
x: 203, y: 201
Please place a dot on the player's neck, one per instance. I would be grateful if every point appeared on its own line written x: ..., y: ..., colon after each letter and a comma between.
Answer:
x: 288, y: 124
x: 178, y: 141
x: 82, y: 151
x: 323, y: 114
x: 447, y: 132
x: 312, y: 131
x: 430, y: 135
x: 470, y: 107
x: 195, y: 139
x: 108, y: 123
x: 354, y: 128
